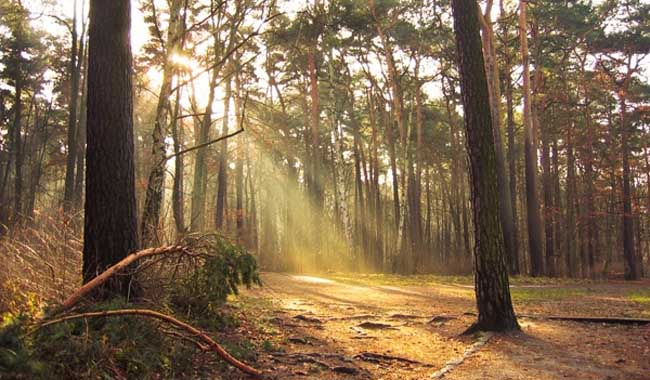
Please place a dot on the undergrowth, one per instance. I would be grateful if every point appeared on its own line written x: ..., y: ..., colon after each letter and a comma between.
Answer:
x: 133, y: 347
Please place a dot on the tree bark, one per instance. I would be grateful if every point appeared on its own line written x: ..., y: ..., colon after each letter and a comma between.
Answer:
x: 494, y: 87
x: 490, y: 270
x: 110, y: 232
x: 155, y: 184
x: 532, y: 196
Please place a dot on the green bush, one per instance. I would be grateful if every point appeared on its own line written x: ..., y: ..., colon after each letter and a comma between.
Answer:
x: 204, y: 290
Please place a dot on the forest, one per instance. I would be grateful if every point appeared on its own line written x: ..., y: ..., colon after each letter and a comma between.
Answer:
x: 325, y: 189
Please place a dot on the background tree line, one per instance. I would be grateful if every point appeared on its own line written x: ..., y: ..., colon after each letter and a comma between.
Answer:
x: 353, y: 155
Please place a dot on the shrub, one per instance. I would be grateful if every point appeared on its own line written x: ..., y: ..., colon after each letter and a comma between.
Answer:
x: 125, y: 347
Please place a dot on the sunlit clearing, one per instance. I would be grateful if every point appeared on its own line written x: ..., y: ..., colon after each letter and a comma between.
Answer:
x: 314, y: 280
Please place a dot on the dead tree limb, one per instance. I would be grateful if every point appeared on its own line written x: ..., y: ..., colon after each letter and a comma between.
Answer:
x: 233, y: 134
x: 590, y: 319
x: 75, y: 297
x: 214, y: 346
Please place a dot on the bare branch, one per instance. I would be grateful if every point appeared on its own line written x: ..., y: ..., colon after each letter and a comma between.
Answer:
x: 213, y: 345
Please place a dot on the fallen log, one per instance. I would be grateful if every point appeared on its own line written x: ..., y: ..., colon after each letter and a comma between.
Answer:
x: 590, y: 319
x: 214, y: 346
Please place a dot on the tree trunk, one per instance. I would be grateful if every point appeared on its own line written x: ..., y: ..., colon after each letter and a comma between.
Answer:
x: 179, y: 168
x: 490, y: 270
x: 530, y: 150
x: 71, y: 159
x: 239, y: 166
x: 494, y: 87
x: 110, y: 232
x: 631, y: 269
x: 81, y: 145
x: 513, y: 260
x: 155, y: 184
x: 222, y: 177
x: 81, y: 125
x: 570, y: 205
x: 199, y: 185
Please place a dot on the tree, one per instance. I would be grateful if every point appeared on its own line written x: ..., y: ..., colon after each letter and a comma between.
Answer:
x: 75, y: 74
x: 508, y: 222
x: 490, y: 270
x: 154, y: 193
x: 22, y: 65
x: 110, y: 232
x: 530, y: 156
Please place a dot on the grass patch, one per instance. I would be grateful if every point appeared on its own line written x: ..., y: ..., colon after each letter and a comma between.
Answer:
x: 528, y: 295
x: 641, y: 296
x: 375, y: 279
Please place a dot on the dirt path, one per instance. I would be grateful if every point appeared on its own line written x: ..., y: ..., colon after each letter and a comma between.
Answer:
x: 324, y: 329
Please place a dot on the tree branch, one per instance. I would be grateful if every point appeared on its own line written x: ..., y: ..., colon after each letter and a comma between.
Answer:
x: 213, y: 345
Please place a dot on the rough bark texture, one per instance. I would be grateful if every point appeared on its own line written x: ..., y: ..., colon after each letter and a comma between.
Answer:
x: 110, y: 232
x: 490, y: 271
x: 494, y: 87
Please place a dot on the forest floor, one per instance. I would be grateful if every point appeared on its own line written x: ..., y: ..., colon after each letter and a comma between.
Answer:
x: 391, y: 327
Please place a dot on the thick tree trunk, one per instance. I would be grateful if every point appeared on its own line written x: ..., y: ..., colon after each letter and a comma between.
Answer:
x: 490, y: 270
x: 110, y: 232
x: 494, y: 87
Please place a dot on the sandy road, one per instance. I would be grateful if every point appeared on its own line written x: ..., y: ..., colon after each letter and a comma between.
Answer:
x: 333, y: 330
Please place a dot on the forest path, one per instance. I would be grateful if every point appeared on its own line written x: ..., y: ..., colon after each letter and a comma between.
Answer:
x: 326, y: 329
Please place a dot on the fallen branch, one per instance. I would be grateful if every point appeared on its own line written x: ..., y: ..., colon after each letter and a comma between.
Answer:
x: 375, y: 357
x: 588, y: 319
x: 214, y: 346
x: 111, y: 271
x: 452, y: 364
